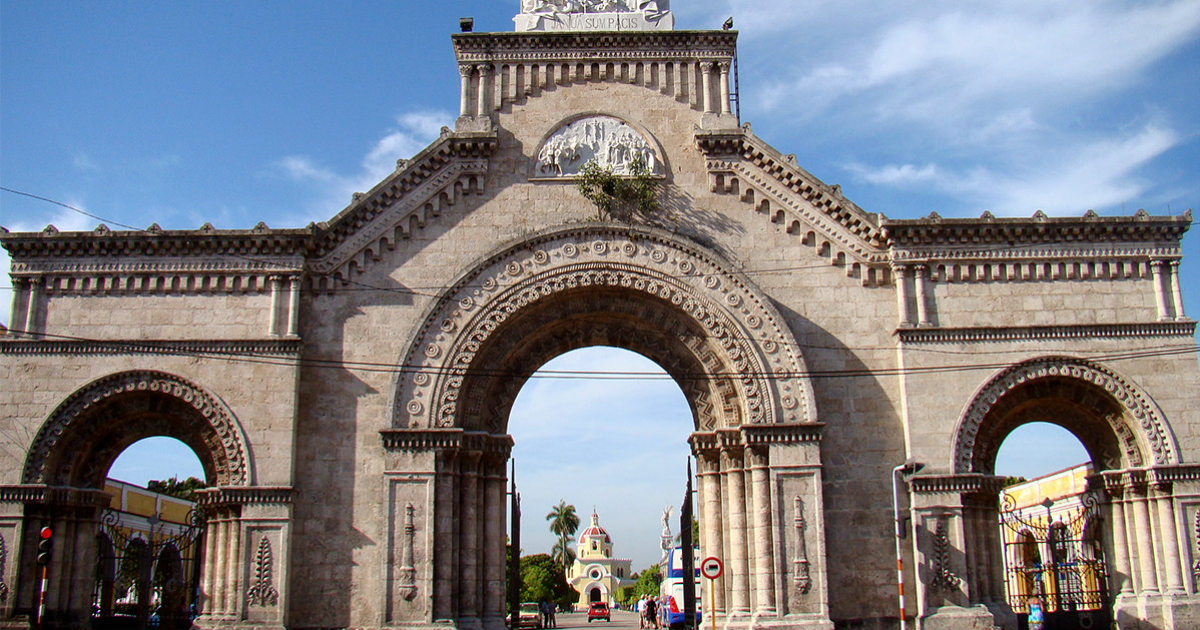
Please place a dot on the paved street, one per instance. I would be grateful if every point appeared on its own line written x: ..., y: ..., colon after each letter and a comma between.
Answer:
x: 621, y: 620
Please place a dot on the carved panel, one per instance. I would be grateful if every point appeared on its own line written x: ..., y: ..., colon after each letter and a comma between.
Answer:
x: 800, y: 546
x: 409, y: 556
x: 723, y: 327
x: 612, y: 143
x: 262, y: 591
x: 3, y: 570
x: 942, y: 578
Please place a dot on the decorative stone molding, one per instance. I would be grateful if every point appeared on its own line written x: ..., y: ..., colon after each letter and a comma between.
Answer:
x: 1046, y: 333
x: 77, y: 421
x: 249, y: 495
x: 610, y: 142
x: 990, y: 236
x: 261, y: 591
x: 736, y: 337
x: 447, y: 439
x: 50, y: 495
x: 1143, y: 422
x: 289, y: 348
x: 966, y: 483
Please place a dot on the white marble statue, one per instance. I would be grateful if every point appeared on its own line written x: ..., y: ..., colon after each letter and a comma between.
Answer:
x: 612, y: 143
x: 594, y: 15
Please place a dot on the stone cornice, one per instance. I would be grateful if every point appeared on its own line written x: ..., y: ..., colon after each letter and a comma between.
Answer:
x: 245, y: 495
x: 739, y: 153
x: 936, y: 236
x: 282, y: 348
x: 956, y: 484
x: 158, y: 244
x: 55, y: 495
x: 445, y: 440
x: 1184, y: 329
x: 595, y: 46
x: 756, y: 435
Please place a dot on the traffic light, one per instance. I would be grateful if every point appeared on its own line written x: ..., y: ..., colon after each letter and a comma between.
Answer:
x: 45, y: 545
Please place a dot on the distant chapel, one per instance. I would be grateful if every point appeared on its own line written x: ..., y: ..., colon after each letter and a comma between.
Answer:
x: 596, y: 574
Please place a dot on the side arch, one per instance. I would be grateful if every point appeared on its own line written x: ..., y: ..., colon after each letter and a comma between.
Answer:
x: 84, y: 435
x: 1132, y: 432
x: 603, y: 284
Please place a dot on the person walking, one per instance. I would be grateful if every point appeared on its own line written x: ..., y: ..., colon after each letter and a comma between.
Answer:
x: 641, y: 612
x: 652, y: 614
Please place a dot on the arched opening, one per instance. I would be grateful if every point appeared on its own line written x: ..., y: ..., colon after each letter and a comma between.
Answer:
x: 145, y: 545
x: 1052, y: 435
x: 604, y: 431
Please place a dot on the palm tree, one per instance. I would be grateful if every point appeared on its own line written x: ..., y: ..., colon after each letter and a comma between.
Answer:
x: 563, y: 522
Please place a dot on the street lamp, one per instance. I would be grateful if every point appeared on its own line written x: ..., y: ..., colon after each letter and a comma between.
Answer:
x: 906, y: 469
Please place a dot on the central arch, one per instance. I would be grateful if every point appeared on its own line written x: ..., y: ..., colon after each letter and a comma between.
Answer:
x: 641, y: 289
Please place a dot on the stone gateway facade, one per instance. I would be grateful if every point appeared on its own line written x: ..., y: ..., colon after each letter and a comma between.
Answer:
x: 347, y: 385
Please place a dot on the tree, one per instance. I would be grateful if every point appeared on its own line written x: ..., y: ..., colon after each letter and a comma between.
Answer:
x: 648, y: 582
x: 563, y: 522
x: 543, y: 580
x: 618, y: 197
x: 185, y: 490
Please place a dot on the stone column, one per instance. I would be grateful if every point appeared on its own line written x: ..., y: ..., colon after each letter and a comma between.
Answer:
x: 19, y: 311
x: 212, y: 542
x: 464, y: 90
x: 481, y: 94
x: 724, y: 67
x: 470, y: 589
x: 738, y: 566
x: 1169, y: 539
x: 899, y: 274
x: 922, y: 297
x: 276, y: 305
x: 445, y: 545
x: 764, y: 573
x: 294, y: 306
x: 1145, y: 544
x: 680, y: 69
x: 1176, y: 293
x: 706, y: 71
x: 1156, y: 269
x: 493, y: 552
x: 233, y: 565
x: 709, y: 465
x: 1121, y: 566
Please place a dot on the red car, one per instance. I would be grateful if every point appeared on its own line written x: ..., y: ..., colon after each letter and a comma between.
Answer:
x: 598, y: 610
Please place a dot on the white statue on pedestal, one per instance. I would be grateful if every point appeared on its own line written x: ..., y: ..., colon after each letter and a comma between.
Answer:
x: 594, y: 15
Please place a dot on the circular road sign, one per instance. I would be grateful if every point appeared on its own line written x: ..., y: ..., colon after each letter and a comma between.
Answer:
x: 711, y: 567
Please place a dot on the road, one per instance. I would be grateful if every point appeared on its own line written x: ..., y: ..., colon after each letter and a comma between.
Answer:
x: 621, y: 620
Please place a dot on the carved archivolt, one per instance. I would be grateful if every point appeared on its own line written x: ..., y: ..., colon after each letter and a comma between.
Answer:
x: 1139, y: 426
x: 112, y: 412
x: 725, y: 334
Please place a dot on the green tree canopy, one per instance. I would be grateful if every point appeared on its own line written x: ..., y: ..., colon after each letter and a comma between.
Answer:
x: 648, y: 581
x: 185, y: 490
x: 542, y: 579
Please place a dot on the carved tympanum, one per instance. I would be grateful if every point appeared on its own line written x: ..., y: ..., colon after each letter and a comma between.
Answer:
x: 610, y: 142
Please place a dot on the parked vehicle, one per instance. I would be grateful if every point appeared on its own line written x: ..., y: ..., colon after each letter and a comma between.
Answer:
x: 670, y: 609
x: 598, y: 611
x: 530, y: 616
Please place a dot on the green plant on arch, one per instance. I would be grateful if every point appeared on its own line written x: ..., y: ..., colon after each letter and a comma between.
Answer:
x: 618, y: 197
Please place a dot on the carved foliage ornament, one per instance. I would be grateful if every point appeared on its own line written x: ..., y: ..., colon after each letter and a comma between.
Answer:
x: 1145, y: 416
x: 262, y: 592
x: 942, y: 578
x: 74, y: 418
x: 610, y: 142
x: 734, y: 319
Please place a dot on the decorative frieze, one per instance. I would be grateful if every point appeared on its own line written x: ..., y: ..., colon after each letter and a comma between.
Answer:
x: 447, y: 439
x: 282, y: 348
x: 248, y: 495
x: 985, y: 334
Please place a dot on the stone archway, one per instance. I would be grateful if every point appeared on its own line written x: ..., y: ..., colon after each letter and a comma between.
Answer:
x: 1132, y: 451
x: 649, y: 291
x: 65, y: 470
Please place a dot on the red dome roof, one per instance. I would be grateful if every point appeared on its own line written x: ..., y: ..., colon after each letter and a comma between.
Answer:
x: 594, y: 530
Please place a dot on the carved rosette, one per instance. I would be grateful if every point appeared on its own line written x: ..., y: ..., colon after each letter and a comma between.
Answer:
x: 1141, y: 418
x: 728, y: 330
x: 942, y: 578
x: 82, y: 415
x: 262, y: 592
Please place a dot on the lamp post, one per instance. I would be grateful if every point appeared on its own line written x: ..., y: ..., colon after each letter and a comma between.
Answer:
x: 906, y: 469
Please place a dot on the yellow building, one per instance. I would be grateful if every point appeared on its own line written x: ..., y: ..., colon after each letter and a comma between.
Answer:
x: 596, y: 574
x: 1052, y: 545
x: 147, y: 551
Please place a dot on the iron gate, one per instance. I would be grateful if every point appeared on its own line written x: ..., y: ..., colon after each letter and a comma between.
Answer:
x: 147, y: 571
x: 1058, y: 558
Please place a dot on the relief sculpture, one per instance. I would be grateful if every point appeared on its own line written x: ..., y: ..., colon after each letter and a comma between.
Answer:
x: 612, y: 143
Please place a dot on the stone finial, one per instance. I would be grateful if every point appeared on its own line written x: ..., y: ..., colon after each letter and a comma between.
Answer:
x: 790, y: 158
x: 1040, y: 216
x: 261, y: 227
x: 444, y: 132
x: 934, y: 216
x: 987, y: 216
x: 101, y: 229
x: 1141, y: 214
x: 154, y: 229
x: 49, y: 230
x: 1187, y: 214
x: 354, y: 198
x: 1091, y: 215
x: 207, y: 228
x: 401, y: 164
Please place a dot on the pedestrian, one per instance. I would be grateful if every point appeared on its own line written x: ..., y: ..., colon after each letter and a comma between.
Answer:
x: 545, y: 614
x: 652, y: 614
x: 641, y: 612
x: 550, y: 607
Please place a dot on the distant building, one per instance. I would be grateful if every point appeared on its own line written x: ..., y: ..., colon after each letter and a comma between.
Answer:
x: 1052, y: 545
x: 596, y: 574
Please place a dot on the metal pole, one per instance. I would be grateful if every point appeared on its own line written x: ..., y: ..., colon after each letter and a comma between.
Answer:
x: 899, y: 530
x: 41, y: 610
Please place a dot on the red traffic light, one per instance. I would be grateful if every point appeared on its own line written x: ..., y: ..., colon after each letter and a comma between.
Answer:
x: 46, y: 533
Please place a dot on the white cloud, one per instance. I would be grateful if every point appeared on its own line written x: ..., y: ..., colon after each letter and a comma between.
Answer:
x: 413, y: 132
x: 902, y: 175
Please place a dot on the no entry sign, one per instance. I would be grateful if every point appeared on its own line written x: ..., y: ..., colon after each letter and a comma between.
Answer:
x: 711, y: 567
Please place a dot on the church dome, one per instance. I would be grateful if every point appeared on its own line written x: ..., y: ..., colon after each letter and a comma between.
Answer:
x: 595, y: 531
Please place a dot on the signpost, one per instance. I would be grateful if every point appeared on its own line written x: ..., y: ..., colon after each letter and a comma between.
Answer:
x: 711, y: 568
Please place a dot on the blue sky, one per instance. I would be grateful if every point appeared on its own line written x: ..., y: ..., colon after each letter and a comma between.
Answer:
x: 186, y: 112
